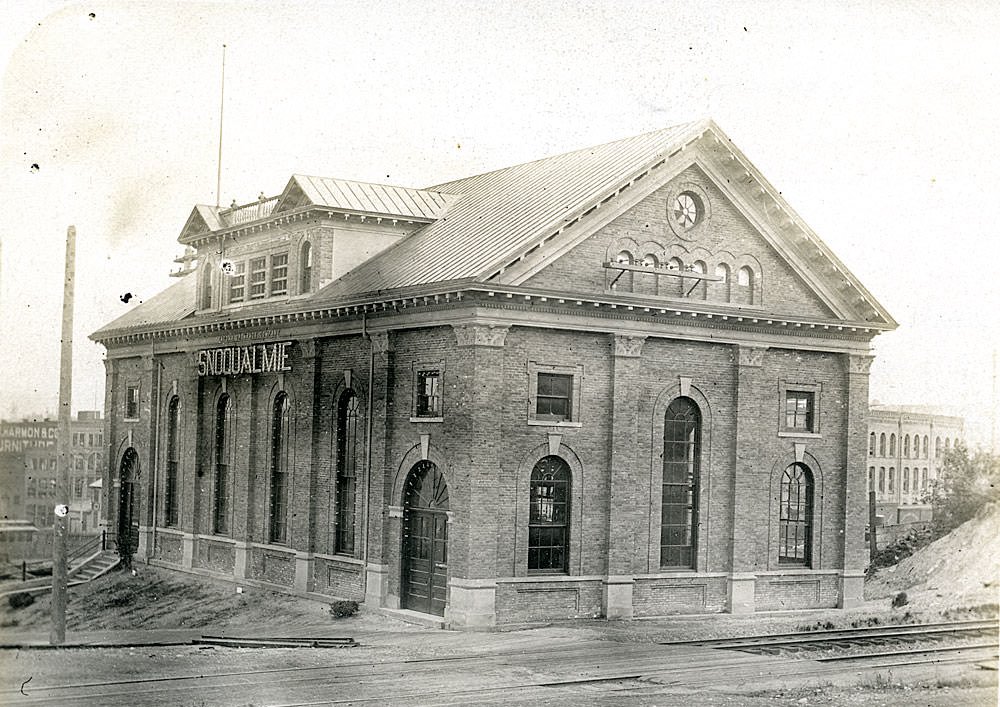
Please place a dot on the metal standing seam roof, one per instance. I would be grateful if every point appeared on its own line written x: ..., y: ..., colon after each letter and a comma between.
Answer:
x: 380, y: 199
x: 503, y: 211
x: 173, y: 304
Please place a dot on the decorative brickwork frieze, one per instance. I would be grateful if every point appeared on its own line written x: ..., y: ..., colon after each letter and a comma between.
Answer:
x: 480, y: 334
x: 630, y: 346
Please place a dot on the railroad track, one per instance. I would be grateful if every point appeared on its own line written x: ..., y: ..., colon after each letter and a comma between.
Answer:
x: 851, y: 640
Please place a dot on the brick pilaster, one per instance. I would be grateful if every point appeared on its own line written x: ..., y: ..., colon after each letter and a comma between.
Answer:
x: 380, y: 534
x: 855, y: 485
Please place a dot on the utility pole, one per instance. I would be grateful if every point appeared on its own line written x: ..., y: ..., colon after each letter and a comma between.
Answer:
x: 61, y: 510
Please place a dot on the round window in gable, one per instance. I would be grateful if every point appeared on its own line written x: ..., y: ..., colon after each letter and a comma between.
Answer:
x: 687, y: 210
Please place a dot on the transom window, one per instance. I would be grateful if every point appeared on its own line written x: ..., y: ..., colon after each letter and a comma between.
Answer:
x: 799, y: 411
x: 681, y: 471
x: 554, y: 399
x: 258, y: 278
x: 795, y: 521
x: 279, y: 274
x: 428, y: 393
x: 548, y: 525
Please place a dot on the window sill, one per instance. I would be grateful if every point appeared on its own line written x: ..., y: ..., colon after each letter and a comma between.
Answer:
x: 426, y: 419
x: 130, y: 419
x: 806, y: 435
x: 555, y: 423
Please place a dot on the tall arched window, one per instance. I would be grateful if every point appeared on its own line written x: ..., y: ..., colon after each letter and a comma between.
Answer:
x: 170, y: 500
x: 906, y: 479
x: 795, y: 516
x: 881, y: 445
x: 278, y: 527
x: 223, y: 440
x: 906, y: 446
x: 871, y: 444
x: 744, y: 277
x: 305, y: 267
x: 926, y: 446
x: 681, y: 470
x: 548, y: 524
x: 347, y: 454
x: 892, y: 445
x: 892, y: 479
x: 881, y: 479
x: 871, y: 478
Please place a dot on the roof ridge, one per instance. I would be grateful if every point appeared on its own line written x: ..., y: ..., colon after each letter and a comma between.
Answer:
x: 361, y: 181
x: 587, y: 148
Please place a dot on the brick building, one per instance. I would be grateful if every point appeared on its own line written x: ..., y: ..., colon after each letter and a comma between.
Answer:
x: 623, y: 381
x: 906, y: 448
x: 29, y: 459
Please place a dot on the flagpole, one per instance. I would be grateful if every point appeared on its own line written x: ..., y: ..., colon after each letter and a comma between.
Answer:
x: 222, y: 102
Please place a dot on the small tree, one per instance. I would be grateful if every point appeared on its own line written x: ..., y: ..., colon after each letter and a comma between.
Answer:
x: 968, y: 482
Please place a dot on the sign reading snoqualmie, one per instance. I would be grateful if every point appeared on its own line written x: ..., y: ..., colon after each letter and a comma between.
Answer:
x: 244, y: 360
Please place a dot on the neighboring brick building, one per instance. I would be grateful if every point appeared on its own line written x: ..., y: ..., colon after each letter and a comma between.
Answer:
x: 29, y: 456
x: 623, y: 381
x: 906, y: 447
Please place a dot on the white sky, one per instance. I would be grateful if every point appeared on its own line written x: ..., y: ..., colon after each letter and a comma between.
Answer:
x: 877, y: 120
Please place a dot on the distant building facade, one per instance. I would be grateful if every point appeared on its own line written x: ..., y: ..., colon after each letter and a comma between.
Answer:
x: 623, y: 381
x: 906, y: 447
x: 29, y: 463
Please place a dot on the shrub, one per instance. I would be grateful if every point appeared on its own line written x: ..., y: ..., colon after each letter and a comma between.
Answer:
x: 340, y: 609
x: 20, y: 600
x: 899, y: 600
x: 901, y: 549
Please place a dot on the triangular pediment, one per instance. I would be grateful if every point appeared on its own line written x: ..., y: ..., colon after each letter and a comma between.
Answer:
x: 203, y: 219
x: 744, y: 224
x: 293, y: 196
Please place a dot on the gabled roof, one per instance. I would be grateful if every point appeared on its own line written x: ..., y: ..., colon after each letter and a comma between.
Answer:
x: 173, y: 304
x: 381, y: 200
x: 503, y: 211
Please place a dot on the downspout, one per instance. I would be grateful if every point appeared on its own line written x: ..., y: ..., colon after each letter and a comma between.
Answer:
x: 368, y: 445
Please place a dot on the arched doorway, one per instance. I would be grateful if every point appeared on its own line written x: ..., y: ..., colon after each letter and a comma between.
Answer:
x: 128, y: 515
x: 425, y: 540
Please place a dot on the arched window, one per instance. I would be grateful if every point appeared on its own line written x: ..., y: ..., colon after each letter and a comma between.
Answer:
x: 795, y: 521
x: 278, y: 526
x: 744, y: 277
x: 624, y: 258
x: 947, y: 443
x: 906, y: 446
x: 937, y: 447
x: 881, y: 445
x: 906, y: 479
x: 871, y: 444
x: 651, y: 261
x: 722, y: 272
x: 548, y: 524
x: 681, y: 470
x: 675, y: 264
x: 347, y: 455
x: 223, y: 440
x: 871, y: 478
x: 881, y: 479
x: 923, y: 479
x: 926, y: 446
x: 170, y: 500
x: 305, y: 267
x: 892, y: 445
x: 206, y: 286
x: 892, y: 479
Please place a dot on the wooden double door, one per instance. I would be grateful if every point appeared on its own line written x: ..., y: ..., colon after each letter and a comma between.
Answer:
x: 425, y: 541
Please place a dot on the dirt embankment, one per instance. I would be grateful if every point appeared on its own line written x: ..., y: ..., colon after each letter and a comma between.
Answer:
x: 960, y: 569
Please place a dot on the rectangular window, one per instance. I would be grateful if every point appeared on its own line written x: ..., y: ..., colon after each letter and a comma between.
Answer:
x: 78, y: 488
x: 279, y: 274
x: 428, y: 393
x: 132, y: 402
x: 238, y: 282
x: 258, y: 278
x: 798, y: 411
x: 554, y: 399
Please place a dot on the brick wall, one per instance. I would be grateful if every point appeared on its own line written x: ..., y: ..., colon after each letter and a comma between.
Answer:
x: 773, y: 593
x: 679, y: 595
x: 519, y: 602
x: 214, y: 556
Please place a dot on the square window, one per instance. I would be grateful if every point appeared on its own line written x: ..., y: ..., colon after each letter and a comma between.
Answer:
x: 799, y: 411
x: 554, y: 397
x: 132, y: 402
x: 258, y: 278
x: 428, y: 399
